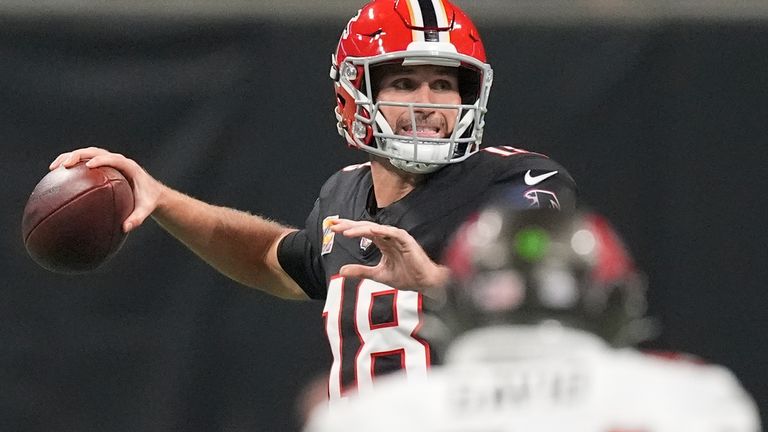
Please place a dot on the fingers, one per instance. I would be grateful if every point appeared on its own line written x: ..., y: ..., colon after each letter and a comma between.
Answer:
x: 358, y: 271
x: 139, y: 215
x: 390, y: 239
x: 146, y: 190
x: 97, y: 157
x: 71, y: 158
x: 341, y: 225
x: 115, y: 160
x: 404, y: 263
x: 372, y: 230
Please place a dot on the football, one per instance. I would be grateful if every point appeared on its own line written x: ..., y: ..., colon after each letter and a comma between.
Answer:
x: 72, y: 222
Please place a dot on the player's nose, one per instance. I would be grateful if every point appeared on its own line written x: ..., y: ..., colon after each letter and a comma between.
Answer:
x: 424, y: 94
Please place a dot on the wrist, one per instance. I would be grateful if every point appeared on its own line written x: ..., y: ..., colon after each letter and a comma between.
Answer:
x: 438, y: 279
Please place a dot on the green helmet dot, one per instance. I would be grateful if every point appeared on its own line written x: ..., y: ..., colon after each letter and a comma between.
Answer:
x: 531, y: 244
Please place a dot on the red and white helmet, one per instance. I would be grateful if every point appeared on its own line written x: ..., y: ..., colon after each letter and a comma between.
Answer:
x: 410, y: 32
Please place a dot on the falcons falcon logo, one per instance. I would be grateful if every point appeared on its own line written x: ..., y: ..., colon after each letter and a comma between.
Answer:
x: 538, y: 198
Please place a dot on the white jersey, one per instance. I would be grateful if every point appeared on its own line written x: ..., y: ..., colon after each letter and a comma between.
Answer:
x: 530, y: 380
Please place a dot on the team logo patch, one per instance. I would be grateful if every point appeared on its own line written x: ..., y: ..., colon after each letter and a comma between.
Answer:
x: 328, y: 235
x: 365, y: 242
x: 538, y: 198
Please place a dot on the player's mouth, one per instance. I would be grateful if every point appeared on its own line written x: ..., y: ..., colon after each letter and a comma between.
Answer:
x: 425, y: 131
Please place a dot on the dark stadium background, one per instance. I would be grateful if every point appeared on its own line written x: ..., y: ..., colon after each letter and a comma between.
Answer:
x: 662, y: 123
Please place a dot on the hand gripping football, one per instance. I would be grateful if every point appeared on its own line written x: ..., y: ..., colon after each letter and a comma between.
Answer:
x: 72, y: 222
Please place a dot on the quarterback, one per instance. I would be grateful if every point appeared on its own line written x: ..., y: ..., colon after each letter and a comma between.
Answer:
x: 411, y: 87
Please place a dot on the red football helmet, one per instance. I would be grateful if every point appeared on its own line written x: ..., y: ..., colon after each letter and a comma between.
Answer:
x: 533, y: 266
x: 410, y: 32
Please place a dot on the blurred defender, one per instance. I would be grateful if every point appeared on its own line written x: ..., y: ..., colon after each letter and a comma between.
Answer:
x: 540, y: 308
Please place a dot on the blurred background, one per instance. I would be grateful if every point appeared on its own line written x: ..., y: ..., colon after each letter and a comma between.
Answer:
x: 659, y: 109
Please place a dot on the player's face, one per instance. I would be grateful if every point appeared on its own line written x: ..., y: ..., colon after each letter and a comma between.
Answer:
x: 420, y: 84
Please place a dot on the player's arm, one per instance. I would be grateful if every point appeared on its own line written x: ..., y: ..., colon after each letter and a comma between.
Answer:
x: 242, y: 246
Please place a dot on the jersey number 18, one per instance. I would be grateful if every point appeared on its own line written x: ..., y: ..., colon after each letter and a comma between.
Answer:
x: 391, y: 336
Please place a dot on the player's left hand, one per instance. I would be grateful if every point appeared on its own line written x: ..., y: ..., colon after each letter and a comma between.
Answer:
x: 404, y: 264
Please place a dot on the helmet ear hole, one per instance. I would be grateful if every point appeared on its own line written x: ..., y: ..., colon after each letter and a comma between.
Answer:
x: 340, y: 100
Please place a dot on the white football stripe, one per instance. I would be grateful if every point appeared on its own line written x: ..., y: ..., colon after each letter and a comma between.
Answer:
x: 442, y: 19
x: 418, y: 20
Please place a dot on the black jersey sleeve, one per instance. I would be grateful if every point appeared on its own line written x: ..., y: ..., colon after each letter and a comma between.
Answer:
x: 297, y: 255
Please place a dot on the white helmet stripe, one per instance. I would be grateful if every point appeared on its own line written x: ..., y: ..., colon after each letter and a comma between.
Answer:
x: 416, y: 20
x: 442, y: 19
x: 428, y: 13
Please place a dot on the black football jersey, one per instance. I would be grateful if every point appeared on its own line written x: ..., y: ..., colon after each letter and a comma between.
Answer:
x: 373, y: 328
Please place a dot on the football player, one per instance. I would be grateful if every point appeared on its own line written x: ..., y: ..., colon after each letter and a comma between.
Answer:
x: 540, y: 308
x: 412, y: 86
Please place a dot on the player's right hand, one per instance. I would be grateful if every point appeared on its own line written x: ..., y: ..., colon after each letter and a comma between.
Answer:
x: 147, y: 191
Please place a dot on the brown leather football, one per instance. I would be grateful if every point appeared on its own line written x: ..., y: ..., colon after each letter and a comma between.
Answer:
x: 72, y: 222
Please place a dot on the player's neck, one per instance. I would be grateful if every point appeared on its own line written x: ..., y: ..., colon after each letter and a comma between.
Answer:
x: 389, y: 183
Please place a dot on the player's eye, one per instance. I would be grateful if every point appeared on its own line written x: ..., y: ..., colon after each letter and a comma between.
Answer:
x: 443, y: 85
x: 403, y: 84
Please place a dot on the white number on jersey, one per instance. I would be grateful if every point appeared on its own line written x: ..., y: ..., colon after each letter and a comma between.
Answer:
x: 396, y: 337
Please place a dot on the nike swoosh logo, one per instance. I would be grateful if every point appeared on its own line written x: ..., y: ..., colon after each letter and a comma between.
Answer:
x: 534, y: 180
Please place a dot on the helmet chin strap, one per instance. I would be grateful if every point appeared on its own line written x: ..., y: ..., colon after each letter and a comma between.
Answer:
x: 414, y: 167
